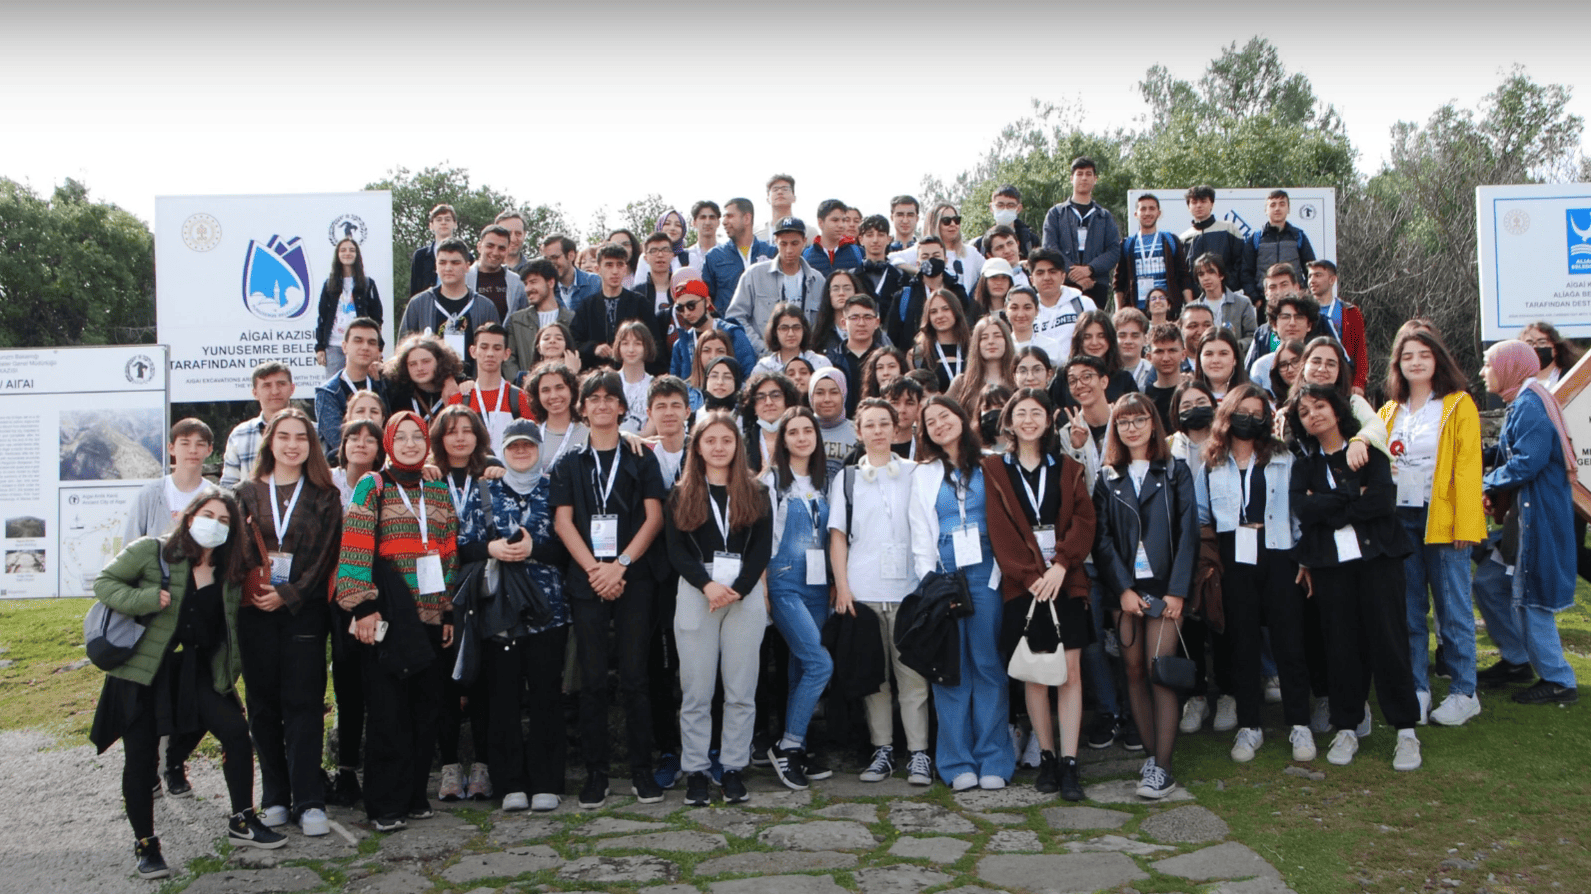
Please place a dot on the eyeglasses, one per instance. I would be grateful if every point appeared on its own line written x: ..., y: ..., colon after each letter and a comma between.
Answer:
x: 1289, y: 364
x: 860, y: 318
x: 768, y: 397
x: 1132, y: 423
x: 658, y: 251
x: 1086, y: 379
x: 951, y: 220
x: 788, y: 327
x: 412, y: 438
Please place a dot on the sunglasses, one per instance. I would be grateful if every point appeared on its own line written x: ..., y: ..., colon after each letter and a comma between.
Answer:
x: 951, y: 220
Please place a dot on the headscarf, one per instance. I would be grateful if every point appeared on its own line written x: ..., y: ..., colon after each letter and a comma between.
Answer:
x: 722, y: 403
x: 679, y: 244
x: 392, y: 431
x: 1516, y: 366
x: 818, y: 375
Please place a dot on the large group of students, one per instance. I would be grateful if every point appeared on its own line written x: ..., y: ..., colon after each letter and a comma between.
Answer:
x: 909, y: 454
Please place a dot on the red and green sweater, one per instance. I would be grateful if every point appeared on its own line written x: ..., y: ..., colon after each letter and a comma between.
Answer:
x: 398, y: 541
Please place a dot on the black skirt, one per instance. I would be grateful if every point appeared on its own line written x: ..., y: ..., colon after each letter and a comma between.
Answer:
x: 1077, y: 629
x: 171, y: 695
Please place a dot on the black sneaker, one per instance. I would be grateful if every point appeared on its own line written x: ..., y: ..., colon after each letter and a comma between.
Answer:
x: 344, y: 790
x: 1071, y: 780
x: 150, y: 863
x: 1049, y: 781
x: 759, y: 750
x: 1103, y: 731
x: 245, y: 830
x: 645, y: 788
x: 1130, y: 739
x: 595, y: 792
x: 816, y: 767
x: 1547, y: 693
x: 734, y: 788
x: 177, y: 782
x: 696, y: 791
x: 1504, y: 673
x: 790, y: 764
x: 421, y: 811
x: 389, y: 823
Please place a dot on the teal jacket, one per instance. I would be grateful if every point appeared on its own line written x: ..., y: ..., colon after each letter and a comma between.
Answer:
x: 131, y: 585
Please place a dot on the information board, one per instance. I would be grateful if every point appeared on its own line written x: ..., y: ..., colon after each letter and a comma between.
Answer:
x: 1534, y: 242
x: 1313, y: 210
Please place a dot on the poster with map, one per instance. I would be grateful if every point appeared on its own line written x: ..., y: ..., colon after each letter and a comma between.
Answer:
x: 84, y: 429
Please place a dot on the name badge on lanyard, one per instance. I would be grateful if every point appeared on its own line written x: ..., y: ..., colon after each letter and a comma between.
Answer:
x: 281, y: 561
x: 726, y: 565
x: 1045, y: 534
x: 1246, y: 546
x: 496, y: 420
x: 1347, y: 541
x: 604, y: 527
x: 1151, y: 265
x: 817, y: 557
x: 964, y: 539
x: 1141, y: 569
x: 428, y: 577
x: 453, y: 326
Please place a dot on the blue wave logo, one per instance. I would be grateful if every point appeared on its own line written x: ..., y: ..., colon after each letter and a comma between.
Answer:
x: 276, y: 279
x: 1579, y: 236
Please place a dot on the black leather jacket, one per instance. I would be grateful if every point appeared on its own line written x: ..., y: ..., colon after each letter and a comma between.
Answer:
x: 1164, y: 517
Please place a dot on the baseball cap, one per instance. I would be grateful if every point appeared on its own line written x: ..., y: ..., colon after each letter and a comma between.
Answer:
x: 521, y: 430
x: 789, y: 225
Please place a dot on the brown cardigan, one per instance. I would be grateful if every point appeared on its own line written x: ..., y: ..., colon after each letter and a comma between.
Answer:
x: 1016, y: 548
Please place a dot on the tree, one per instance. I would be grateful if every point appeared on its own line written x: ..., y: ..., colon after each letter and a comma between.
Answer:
x: 414, y: 194
x: 73, y: 271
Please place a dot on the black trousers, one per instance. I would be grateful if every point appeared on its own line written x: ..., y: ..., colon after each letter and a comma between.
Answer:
x: 1246, y: 593
x: 401, y: 719
x: 348, y: 687
x: 526, y: 675
x: 662, y: 669
x: 284, y: 676
x: 629, y: 618
x: 1297, y: 642
x: 454, y: 695
x: 1367, y: 638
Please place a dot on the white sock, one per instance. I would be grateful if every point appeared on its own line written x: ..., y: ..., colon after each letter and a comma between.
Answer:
x: 1406, y: 734
x: 788, y: 743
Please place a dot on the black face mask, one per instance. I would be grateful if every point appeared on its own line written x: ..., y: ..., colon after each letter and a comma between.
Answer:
x: 933, y: 267
x: 989, y: 426
x: 1545, y: 355
x: 1245, y: 427
x: 1195, y: 418
x: 875, y: 266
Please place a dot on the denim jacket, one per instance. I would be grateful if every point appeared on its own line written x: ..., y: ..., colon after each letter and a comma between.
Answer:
x: 1219, y: 493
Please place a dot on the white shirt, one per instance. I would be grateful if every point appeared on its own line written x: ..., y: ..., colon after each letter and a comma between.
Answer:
x: 1419, y: 431
x: 1058, y: 322
x: 635, y: 395
x: 178, y: 500
x: 1051, y: 347
x: 877, y: 521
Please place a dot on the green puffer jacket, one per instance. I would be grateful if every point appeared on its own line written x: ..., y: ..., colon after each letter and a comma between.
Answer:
x: 131, y: 585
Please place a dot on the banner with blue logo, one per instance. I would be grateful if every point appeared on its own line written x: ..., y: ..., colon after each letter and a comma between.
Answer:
x: 239, y: 282
x: 1535, y: 258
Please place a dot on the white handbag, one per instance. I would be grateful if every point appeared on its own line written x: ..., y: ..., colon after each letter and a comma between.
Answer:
x: 1044, y: 668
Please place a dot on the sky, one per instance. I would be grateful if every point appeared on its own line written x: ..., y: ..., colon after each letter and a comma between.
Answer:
x: 600, y: 104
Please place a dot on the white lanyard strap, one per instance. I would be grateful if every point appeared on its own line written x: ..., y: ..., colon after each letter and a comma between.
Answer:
x: 502, y: 399
x: 562, y: 445
x: 450, y: 319
x: 1038, y: 514
x: 1148, y: 245
x: 425, y: 534
x: 352, y: 388
x: 961, y: 495
x: 721, y: 519
x: 460, y: 494
x: 603, y: 491
x: 280, y: 519
x: 1243, y: 483
x: 952, y: 365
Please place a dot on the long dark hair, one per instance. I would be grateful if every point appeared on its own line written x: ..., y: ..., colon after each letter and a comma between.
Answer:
x: 315, y: 467
x: 1347, y: 424
x: 1564, y: 355
x: 559, y: 371
x: 786, y: 310
x: 1050, y: 441
x: 1445, y: 379
x: 824, y: 327
x: 1344, y: 383
x: 1219, y: 445
x: 817, y: 467
x: 227, y: 558
x: 1174, y: 424
x: 334, y: 280
x: 632, y: 245
x: 443, y: 423
x: 688, y: 501
x: 969, y: 447
x: 1222, y: 334
x: 1279, y: 386
x: 927, y: 338
x: 369, y: 427
x: 748, y: 398
x: 448, y: 364
x: 1117, y: 453
x: 870, y: 385
x: 1112, y: 356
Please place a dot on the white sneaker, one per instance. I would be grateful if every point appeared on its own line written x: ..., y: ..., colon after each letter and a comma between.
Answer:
x: 1249, y: 739
x: 312, y: 822
x: 964, y: 782
x: 1303, y: 744
x: 1273, y: 690
x: 544, y: 802
x: 1225, y: 714
x: 1194, y: 713
x: 1407, y: 754
x: 273, y: 816
x: 451, y: 786
x: 1343, y: 748
x: 1424, y: 697
x: 515, y: 801
x: 1030, y: 754
x: 1455, y: 709
x: 1320, y: 716
x: 480, y: 784
x: 991, y: 782
x: 1363, y: 729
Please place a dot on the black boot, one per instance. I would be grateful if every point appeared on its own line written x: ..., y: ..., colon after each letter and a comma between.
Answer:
x: 150, y: 863
x: 1049, y: 778
x: 1071, y: 780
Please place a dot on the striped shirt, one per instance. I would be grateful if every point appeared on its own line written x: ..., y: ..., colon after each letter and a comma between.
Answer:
x: 398, y: 541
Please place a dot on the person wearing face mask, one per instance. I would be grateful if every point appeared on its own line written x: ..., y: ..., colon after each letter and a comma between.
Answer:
x: 1005, y: 206
x: 721, y: 378
x: 766, y: 396
x: 1556, y: 356
x: 904, y: 311
x: 182, y: 675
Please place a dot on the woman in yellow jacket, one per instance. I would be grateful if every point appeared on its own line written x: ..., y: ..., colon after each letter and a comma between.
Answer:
x: 1434, y: 437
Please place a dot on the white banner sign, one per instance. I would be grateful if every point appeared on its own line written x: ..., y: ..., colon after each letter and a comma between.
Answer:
x: 1535, y: 258
x: 1314, y: 210
x: 238, y: 283
x: 84, y: 429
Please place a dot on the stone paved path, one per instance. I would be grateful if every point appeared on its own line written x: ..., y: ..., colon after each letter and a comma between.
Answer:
x: 841, y: 835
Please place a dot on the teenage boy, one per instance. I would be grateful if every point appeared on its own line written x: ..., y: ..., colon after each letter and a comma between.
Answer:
x: 905, y: 314
x: 1022, y: 311
x: 1344, y: 320
x: 786, y: 277
x: 608, y: 510
x: 1278, y: 242
x: 668, y: 407
x: 490, y: 276
x: 704, y: 219
x: 834, y: 249
x: 1085, y: 234
x: 1132, y: 330
x: 884, y: 278
x: 1291, y: 317
x: 272, y: 386
x: 450, y: 309
x: 906, y: 395
x: 1165, y: 357
x: 1232, y: 309
x: 574, y: 285
x: 1005, y: 243
x: 598, y: 319
x: 1006, y: 207
x: 781, y: 204
x: 1059, y: 304
x: 903, y: 214
x: 541, y: 292
x: 870, y: 552
x: 1207, y: 235
x: 1150, y: 260
x: 724, y: 265
x: 861, y: 340
x: 654, y: 284
x: 489, y: 395
x: 694, y: 312
x: 362, y: 350
x: 1280, y: 281
x: 443, y: 222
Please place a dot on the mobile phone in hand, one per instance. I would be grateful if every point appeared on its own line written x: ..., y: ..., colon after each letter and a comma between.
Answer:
x: 1157, y: 606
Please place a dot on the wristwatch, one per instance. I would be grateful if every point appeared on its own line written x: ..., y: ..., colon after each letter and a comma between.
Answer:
x: 624, y: 560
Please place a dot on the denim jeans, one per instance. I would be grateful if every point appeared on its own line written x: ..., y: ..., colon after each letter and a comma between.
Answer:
x: 1522, y: 634
x: 798, y: 610
x: 1445, y: 572
x: 973, y: 733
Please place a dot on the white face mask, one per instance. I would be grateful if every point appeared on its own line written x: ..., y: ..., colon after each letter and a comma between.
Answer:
x: 1003, y: 217
x: 767, y: 426
x: 207, y: 532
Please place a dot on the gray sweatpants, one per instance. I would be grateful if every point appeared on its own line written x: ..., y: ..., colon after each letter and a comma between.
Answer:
x: 727, y: 641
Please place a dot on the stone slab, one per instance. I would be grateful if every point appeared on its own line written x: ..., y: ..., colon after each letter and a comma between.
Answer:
x: 510, y: 863
x: 687, y: 842
x: 1229, y: 860
x: 659, y: 810
x: 1125, y: 791
x: 731, y: 820
x: 862, y: 813
x: 1017, y: 796
x: 1253, y: 886
x: 1059, y: 873
x: 613, y: 825
x: 610, y: 870
x: 1009, y: 840
x: 779, y: 884
x: 398, y: 881
x: 782, y: 798
x: 1127, y: 766
x: 845, y: 785
x: 934, y: 850
x: 776, y: 861
x: 673, y: 889
x: 427, y: 840
x: 1068, y: 819
x: 999, y: 819
x: 1185, y: 825
x: 899, y: 879
x: 1117, y: 844
x: 823, y: 835
x: 517, y: 829
x: 256, y: 881
x: 971, y: 889
x: 914, y: 816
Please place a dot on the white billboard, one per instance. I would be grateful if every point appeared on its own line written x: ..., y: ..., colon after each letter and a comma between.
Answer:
x: 1314, y: 210
x: 238, y: 282
x: 84, y: 429
x: 1534, y: 243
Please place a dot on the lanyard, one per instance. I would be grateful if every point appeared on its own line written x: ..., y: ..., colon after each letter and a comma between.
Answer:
x: 278, y: 519
x: 422, y: 412
x: 721, y: 519
x: 603, y: 492
x: 460, y: 494
x: 1243, y: 487
x: 1082, y: 218
x: 425, y: 535
x: 951, y: 365
x: 450, y: 319
x: 562, y: 445
x: 502, y: 399
x: 961, y: 494
x: 352, y: 388
x: 1038, y: 514
x: 1148, y: 246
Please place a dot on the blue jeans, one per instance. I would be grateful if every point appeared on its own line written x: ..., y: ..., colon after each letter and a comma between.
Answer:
x: 1097, y: 670
x: 973, y: 736
x: 1445, y: 572
x: 799, y: 610
x: 1523, y: 634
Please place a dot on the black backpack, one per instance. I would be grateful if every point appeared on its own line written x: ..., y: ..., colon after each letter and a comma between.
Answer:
x: 111, y: 637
